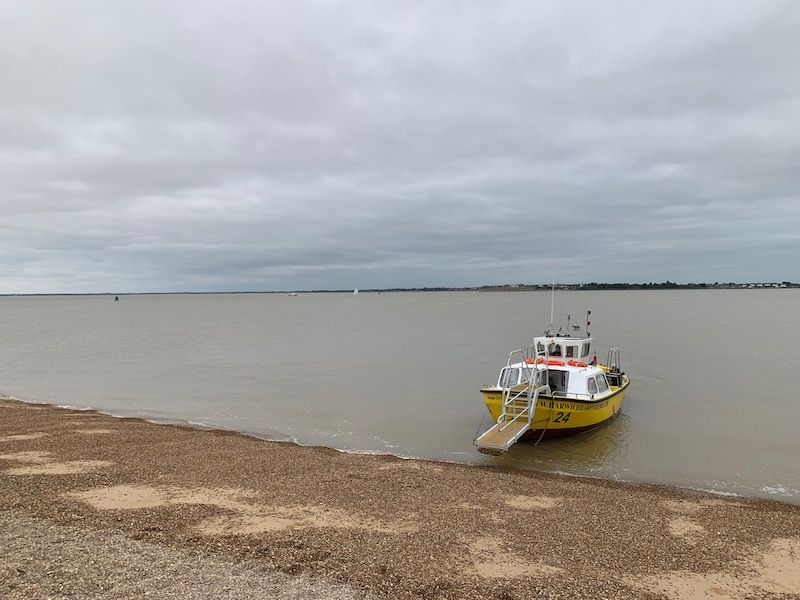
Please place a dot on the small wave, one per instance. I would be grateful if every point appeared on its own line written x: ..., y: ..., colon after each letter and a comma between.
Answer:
x: 15, y: 399
x: 80, y: 408
x: 619, y: 479
x: 779, y: 490
x: 370, y: 453
x: 716, y: 492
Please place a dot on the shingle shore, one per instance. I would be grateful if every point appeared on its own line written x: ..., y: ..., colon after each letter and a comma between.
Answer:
x: 366, y: 524
x: 42, y: 560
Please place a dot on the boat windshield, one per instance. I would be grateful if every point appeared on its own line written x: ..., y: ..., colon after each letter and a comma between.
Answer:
x: 509, y: 377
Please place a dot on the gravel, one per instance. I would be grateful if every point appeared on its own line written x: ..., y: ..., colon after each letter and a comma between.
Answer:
x: 371, y: 524
x: 43, y: 560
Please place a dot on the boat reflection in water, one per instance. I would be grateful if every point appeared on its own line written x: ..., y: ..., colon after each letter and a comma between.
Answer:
x: 591, y: 453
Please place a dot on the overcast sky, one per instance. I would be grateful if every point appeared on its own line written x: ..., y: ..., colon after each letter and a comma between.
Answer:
x: 169, y: 146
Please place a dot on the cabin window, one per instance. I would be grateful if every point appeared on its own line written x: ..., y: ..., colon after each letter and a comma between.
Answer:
x: 585, y: 349
x: 592, y: 384
x: 555, y: 350
x: 540, y: 347
x: 602, y: 384
x: 571, y: 351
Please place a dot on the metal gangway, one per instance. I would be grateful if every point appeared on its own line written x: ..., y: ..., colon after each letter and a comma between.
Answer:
x: 519, y: 401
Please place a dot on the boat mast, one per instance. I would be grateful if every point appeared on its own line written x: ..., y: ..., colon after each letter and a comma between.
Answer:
x: 552, y: 299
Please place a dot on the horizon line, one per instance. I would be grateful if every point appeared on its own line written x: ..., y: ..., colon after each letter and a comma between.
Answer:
x: 431, y: 288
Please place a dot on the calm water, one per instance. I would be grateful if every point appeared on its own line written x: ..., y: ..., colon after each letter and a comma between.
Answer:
x: 713, y: 403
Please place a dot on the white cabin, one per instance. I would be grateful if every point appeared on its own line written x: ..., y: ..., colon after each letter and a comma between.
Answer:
x: 582, y: 382
x: 566, y: 347
x: 569, y: 368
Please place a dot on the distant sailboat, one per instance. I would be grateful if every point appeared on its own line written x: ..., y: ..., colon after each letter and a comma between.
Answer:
x: 355, y: 292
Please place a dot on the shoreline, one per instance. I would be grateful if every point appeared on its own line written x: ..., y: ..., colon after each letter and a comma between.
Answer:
x: 192, y: 425
x: 382, y: 525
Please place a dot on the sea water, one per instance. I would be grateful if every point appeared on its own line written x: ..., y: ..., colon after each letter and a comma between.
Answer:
x: 713, y: 402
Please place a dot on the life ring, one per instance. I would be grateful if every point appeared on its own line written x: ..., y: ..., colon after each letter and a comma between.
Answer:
x: 552, y: 363
x: 577, y: 363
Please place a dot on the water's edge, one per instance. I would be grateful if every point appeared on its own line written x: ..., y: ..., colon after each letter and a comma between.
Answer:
x: 184, y: 423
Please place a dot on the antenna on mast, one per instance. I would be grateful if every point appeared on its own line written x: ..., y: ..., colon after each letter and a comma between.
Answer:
x: 552, y: 299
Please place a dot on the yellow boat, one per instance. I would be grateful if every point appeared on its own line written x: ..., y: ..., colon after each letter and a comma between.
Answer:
x: 552, y: 388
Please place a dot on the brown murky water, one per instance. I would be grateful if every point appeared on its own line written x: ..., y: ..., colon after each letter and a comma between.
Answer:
x: 713, y: 404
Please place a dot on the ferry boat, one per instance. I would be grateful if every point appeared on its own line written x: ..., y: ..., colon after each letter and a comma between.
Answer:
x: 554, y: 387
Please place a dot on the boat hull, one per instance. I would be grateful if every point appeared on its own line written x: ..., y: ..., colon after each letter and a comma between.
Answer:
x: 562, y: 416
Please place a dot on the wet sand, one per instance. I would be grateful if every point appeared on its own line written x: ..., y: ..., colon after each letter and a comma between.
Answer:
x: 123, y: 507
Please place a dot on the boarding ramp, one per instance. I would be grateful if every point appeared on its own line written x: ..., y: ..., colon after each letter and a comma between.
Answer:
x: 519, y: 402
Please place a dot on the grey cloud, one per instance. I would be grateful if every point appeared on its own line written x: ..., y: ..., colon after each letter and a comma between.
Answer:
x: 195, y: 145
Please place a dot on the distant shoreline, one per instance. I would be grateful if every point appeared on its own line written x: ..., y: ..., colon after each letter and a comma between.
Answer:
x: 521, y: 287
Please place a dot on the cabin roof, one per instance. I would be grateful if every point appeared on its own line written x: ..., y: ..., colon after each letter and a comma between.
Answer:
x: 588, y: 370
x: 562, y: 338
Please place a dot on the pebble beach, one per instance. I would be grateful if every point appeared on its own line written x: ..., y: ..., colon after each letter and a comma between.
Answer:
x: 93, y: 506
